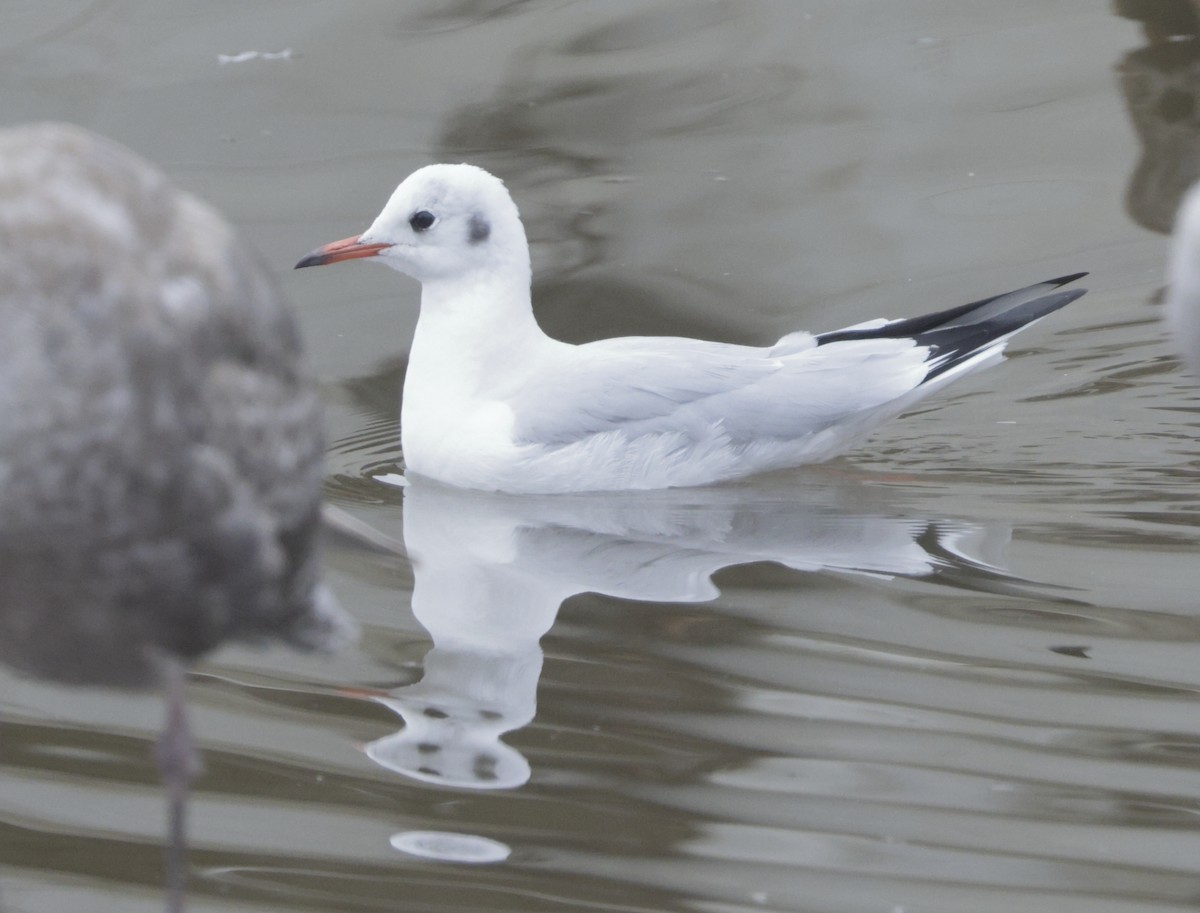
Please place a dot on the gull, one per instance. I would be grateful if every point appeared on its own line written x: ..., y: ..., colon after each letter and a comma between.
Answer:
x: 1183, y: 280
x: 160, y: 438
x: 491, y: 402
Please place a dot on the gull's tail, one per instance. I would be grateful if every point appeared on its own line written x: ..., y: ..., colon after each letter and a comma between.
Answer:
x: 970, y: 331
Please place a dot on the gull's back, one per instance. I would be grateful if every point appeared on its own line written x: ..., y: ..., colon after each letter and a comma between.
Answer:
x: 655, y: 412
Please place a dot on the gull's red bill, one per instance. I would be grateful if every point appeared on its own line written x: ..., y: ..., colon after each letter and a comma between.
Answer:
x: 345, y: 249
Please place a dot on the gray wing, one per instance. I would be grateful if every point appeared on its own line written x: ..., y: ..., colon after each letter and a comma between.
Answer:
x: 666, y: 385
x: 627, y: 383
x: 784, y: 392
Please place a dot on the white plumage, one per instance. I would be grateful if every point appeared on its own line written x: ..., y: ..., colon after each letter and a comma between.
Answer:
x: 492, y: 402
x: 1183, y: 279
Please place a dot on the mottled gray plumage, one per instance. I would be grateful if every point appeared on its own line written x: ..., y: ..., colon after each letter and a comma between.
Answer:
x: 160, y: 443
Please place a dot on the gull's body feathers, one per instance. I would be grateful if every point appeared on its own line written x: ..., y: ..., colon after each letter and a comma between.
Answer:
x: 491, y: 402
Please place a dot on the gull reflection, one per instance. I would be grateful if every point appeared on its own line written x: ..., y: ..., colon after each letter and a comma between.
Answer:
x: 491, y: 571
x: 1161, y: 83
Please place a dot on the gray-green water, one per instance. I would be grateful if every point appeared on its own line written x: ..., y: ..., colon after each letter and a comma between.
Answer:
x: 956, y: 670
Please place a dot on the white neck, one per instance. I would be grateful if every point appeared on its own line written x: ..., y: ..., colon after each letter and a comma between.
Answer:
x: 476, y: 344
x: 475, y: 332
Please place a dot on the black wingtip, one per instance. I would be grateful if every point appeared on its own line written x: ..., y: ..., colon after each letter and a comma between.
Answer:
x: 1063, y: 280
x: 953, y: 345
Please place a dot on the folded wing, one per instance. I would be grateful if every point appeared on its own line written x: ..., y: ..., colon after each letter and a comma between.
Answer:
x: 786, y: 392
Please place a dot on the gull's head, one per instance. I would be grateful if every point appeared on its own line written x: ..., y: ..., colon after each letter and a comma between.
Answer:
x: 442, y: 222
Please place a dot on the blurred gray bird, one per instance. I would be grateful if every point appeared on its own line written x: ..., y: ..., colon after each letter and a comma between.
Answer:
x: 160, y: 442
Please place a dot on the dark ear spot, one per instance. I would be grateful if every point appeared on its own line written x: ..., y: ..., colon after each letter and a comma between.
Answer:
x: 478, y: 229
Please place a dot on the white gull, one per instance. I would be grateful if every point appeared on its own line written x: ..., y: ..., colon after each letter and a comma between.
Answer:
x: 492, y: 402
x: 1183, y: 279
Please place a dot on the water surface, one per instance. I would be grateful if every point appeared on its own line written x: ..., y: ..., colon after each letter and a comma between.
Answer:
x: 955, y: 670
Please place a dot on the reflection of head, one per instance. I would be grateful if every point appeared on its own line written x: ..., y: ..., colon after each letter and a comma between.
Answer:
x: 446, y: 847
x: 454, y: 718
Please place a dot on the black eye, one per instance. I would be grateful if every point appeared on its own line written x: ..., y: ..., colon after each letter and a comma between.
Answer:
x: 421, y: 220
